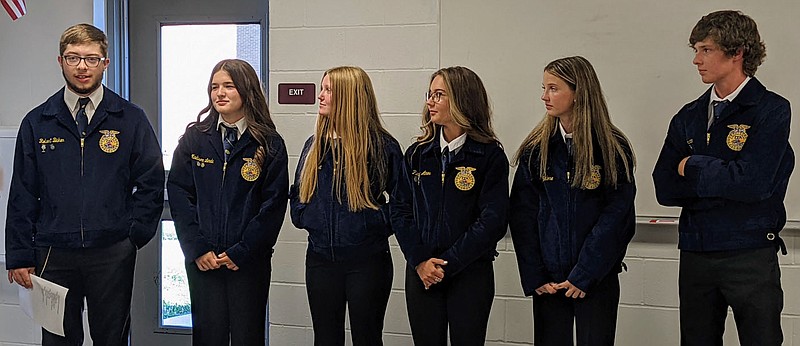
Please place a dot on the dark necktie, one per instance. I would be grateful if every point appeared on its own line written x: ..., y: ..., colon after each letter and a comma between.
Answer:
x: 445, y: 161
x: 718, y: 106
x: 568, y: 141
x: 229, y: 141
x: 81, y: 118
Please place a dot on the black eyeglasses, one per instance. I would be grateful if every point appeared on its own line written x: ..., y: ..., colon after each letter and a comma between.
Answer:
x: 74, y: 60
x: 436, y: 96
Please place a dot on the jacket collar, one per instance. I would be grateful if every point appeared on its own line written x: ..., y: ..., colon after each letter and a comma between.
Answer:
x: 56, y: 107
x: 749, y: 96
x: 214, y: 138
x: 470, y: 146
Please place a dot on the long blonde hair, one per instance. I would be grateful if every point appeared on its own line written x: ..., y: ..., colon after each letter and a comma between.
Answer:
x: 591, y: 126
x: 469, y: 106
x: 354, y: 119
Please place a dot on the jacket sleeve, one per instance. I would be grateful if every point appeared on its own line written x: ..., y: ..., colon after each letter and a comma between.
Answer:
x: 524, y: 226
x: 23, y: 203
x: 673, y: 190
x: 147, y: 180
x: 606, y: 243
x: 182, y: 191
x: 262, y: 231
x: 492, y: 223
x: 751, y: 177
x: 296, y: 208
x: 402, y: 214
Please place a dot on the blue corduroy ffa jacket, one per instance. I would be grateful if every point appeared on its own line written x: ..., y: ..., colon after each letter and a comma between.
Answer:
x: 334, y: 232
x: 565, y: 233
x: 236, y: 208
x: 458, y: 217
x: 737, y: 174
x: 69, y: 192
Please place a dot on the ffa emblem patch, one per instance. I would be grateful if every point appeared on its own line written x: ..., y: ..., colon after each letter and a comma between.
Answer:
x: 109, y: 142
x: 737, y: 136
x: 593, y: 181
x: 464, y: 179
x: 250, y: 170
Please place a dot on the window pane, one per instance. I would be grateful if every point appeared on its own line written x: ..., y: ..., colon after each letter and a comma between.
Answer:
x: 188, y: 53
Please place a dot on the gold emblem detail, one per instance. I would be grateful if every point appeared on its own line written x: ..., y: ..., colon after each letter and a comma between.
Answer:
x: 737, y: 136
x: 594, y: 178
x: 250, y: 170
x: 547, y: 178
x: 464, y: 179
x: 109, y: 142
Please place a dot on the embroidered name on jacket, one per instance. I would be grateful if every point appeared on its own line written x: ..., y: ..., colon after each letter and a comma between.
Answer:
x: 201, y: 161
x: 417, y: 174
x: 49, y: 143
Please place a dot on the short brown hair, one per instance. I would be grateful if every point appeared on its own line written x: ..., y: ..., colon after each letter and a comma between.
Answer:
x: 732, y: 30
x: 83, y: 34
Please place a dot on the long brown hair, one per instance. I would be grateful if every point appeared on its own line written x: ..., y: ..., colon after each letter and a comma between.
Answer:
x: 469, y: 106
x: 355, y: 120
x: 591, y: 125
x: 254, y: 104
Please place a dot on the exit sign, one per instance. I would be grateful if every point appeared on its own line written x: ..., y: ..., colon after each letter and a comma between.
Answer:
x: 297, y: 93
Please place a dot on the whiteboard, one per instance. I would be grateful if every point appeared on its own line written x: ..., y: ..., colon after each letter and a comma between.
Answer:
x: 8, y: 137
x: 638, y: 48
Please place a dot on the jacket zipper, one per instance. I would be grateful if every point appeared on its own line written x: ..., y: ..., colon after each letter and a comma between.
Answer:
x: 224, y: 219
x: 441, y: 208
x: 83, y: 243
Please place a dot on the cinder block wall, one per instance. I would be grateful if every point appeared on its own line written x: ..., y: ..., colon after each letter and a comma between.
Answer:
x: 398, y: 44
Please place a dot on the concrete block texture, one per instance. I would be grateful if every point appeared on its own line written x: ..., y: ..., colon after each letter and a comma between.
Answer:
x: 371, y: 48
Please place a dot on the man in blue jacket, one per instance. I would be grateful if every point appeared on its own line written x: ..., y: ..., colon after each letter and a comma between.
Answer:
x: 726, y: 161
x: 86, y: 192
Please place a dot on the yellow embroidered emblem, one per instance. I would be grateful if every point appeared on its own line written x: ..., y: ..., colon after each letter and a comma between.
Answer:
x: 250, y: 170
x: 464, y: 179
x: 109, y: 142
x: 594, y: 179
x: 547, y: 178
x: 737, y: 136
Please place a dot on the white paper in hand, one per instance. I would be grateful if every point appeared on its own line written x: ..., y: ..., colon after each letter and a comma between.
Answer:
x: 45, y: 303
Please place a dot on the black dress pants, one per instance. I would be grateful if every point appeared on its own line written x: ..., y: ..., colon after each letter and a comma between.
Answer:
x: 461, y: 302
x: 229, y: 306
x: 749, y: 281
x: 102, y: 276
x: 359, y: 286
x: 594, y: 316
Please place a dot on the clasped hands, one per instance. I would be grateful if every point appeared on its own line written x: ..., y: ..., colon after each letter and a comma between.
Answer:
x: 553, y: 288
x: 210, y: 261
x: 431, y: 272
